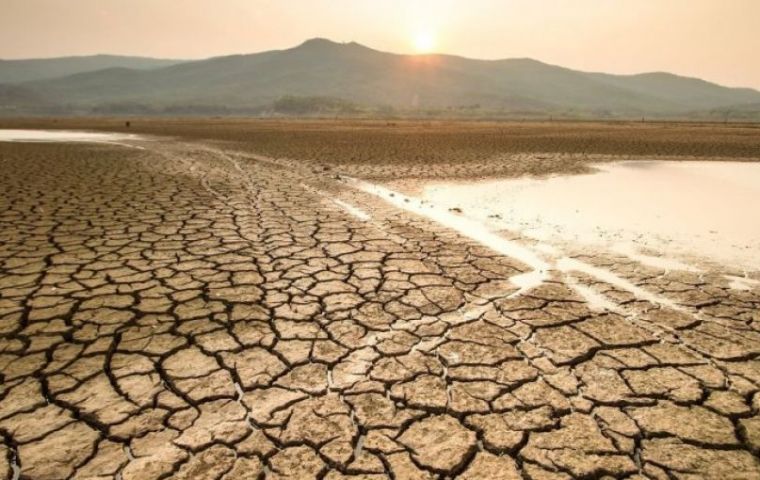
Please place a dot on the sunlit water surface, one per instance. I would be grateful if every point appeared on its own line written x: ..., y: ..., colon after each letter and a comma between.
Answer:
x: 685, y: 209
x: 19, y: 135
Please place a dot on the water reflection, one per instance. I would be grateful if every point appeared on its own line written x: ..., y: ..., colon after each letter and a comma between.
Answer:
x: 707, y: 209
x: 19, y: 135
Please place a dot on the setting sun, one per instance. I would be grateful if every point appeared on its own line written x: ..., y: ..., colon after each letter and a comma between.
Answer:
x: 424, y: 42
x: 354, y: 239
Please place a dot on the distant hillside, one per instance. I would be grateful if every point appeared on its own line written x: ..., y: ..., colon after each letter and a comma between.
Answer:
x: 17, y: 71
x: 352, y: 77
x: 21, y: 97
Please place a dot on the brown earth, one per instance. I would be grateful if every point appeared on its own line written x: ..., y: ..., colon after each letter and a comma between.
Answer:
x: 441, y: 149
x: 203, y: 309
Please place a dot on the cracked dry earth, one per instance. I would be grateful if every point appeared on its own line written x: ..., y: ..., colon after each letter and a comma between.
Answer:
x: 187, y: 312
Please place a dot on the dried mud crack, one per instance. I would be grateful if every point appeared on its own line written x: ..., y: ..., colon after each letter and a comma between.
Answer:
x: 185, y: 311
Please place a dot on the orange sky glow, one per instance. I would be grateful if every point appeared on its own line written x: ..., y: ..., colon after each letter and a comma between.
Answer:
x: 715, y: 40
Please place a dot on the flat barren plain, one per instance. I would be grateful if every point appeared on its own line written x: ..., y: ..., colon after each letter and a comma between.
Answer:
x: 239, y: 299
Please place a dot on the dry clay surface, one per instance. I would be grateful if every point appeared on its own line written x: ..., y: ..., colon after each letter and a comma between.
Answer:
x: 390, y: 149
x: 185, y: 312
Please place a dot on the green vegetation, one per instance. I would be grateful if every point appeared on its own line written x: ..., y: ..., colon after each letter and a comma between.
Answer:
x: 293, y: 105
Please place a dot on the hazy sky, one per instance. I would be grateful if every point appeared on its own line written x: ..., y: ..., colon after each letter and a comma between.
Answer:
x: 718, y: 40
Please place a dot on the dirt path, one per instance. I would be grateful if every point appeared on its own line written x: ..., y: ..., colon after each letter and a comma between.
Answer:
x: 188, y: 312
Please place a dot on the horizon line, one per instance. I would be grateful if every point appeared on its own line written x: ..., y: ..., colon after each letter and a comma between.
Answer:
x: 354, y: 42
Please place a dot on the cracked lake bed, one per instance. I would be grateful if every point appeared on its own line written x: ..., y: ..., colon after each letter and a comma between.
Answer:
x: 215, y: 308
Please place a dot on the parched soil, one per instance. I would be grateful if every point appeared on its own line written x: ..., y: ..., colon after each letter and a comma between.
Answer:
x: 387, y: 150
x: 209, y: 307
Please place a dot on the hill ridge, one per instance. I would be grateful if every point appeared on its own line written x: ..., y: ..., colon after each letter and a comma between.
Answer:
x: 367, y: 79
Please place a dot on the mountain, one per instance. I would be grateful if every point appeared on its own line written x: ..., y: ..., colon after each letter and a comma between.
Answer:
x: 18, y: 71
x: 320, y: 71
x: 21, y: 96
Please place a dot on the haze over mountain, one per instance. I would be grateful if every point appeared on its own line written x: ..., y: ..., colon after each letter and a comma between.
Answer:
x: 321, y: 75
x: 16, y: 71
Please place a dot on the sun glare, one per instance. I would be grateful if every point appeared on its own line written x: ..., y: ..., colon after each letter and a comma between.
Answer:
x: 424, y: 42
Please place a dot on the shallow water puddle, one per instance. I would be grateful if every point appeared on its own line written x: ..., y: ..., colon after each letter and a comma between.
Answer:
x: 38, y: 136
x: 595, y: 300
x: 569, y: 265
x: 470, y: 228
x: 355, y: 211
x: 624, y: 208
x: 741, y: 283
x: 464, y: 225
x: 691, y: 209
